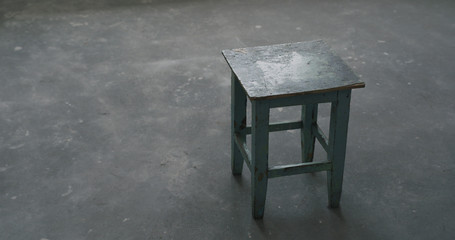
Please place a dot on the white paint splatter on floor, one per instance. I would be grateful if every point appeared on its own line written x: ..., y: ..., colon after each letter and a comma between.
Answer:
x: 70, y: 190
x: 76, y: 24
x: 16, y: 146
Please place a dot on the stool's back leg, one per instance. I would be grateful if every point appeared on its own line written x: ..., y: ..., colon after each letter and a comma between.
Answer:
x: 339, y: 118
x: 260, y: 153
x: 309, y: 117
x: 238, y: 123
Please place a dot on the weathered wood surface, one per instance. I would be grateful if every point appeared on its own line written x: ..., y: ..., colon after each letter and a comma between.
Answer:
x: 238, y: 124
x: 290, y: 69
x: 339, y: 118
x: 321, y: 137
x: 307, y: 135
x: 259, y: 156
x: 243, y: 148
x: 299, y: 168
x: 292, y: 100
x: 282, y: 126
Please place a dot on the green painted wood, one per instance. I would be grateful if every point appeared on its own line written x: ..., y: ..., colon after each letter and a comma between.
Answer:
x: 339, y: 118
x: 238, y: 123
x: 309, y: 118
x: 290, y: 69
x: 321, y: 137
x: 287, y: 101
x: 281, y: 126
x: 299, y: 168
x: 284, y: 75
x: 243, y: 150
x: 259, y: 156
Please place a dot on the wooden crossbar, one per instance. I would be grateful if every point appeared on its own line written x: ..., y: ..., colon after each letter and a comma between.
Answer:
x: 293, y: 100
x: 282, y: 126
x: 243, y: 150
x: 293, y: 169
x: 317, y: 131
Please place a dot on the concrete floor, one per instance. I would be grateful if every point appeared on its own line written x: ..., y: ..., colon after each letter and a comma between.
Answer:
x: 114, y: 120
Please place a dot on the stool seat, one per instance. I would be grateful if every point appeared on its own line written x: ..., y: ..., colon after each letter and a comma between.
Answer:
x: 290, y: 69
x: 305, y: 74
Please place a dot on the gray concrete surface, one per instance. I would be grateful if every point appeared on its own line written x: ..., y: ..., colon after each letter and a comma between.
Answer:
x: 114, y: 120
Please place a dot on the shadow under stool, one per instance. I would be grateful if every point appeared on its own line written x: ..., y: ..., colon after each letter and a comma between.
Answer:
x: 306, y: 74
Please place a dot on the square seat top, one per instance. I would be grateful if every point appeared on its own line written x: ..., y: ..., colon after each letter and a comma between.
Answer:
x: 290, y: 69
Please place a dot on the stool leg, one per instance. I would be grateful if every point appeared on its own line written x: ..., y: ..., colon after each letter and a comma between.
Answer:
x: 259, y: 158
x: 339, y: 118
x: 309, y: 117
x: 238, y: 123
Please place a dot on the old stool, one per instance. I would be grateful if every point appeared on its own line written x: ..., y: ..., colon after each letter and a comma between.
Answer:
x: 306, y: 74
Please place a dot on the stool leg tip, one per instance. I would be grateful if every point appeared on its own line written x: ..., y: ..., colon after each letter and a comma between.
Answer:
x: 334, y: 205
x: 258, y: 216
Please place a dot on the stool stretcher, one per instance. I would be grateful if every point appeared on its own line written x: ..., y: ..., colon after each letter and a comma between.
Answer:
x: 299, y: 168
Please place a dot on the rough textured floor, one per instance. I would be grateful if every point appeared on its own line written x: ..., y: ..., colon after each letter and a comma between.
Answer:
x: 114, y: 120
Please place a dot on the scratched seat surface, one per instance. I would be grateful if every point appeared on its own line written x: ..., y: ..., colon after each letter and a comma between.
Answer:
x: 290, y: 69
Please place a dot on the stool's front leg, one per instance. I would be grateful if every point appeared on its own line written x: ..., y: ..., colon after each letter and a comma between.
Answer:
x: 309, y: 118
x: 339, y: 118
x: 260, y: 153
x: 238, y: 123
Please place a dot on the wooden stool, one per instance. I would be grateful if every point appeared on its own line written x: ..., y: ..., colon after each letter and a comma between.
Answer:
x: 305, y: 73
